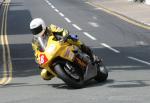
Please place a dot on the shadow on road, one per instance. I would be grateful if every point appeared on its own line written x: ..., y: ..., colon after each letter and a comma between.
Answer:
x: 22, y: 85
x: 131, y: 84
x: 19, y: 21
x: 90, y: 84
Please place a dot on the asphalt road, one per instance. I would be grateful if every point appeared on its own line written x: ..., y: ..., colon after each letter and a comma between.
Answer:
x: 123, y: 46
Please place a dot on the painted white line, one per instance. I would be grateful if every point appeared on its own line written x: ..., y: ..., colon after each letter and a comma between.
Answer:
x: 56, y: 10
x: 77, y: 27
x: 109, y: 47
x: 87, y: 2
x: 48, y: 2
x: 93, y: 24
x: 68, y: 20
x: 53, y: 6
x: 61, y: 14
x: 147, y: 24
x: 90, y: 36
x: 99, y: 8
x: 141, y: 61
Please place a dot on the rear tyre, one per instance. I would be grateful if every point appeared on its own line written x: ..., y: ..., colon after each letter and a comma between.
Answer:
x: 102, y: 73
x: 70, y: 77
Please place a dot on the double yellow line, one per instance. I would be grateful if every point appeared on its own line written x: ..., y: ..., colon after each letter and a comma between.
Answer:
x: 7, y: 63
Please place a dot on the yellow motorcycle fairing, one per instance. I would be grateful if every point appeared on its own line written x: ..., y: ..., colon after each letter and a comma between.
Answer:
x: 53, y: 50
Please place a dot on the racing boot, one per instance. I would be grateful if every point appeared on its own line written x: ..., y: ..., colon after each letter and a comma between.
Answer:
x: 89, y: 52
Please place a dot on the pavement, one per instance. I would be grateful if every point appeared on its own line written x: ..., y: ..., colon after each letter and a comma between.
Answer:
x: 136, y: 11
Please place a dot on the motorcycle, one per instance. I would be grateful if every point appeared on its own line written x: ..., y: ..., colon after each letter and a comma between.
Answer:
x: 67, y: 62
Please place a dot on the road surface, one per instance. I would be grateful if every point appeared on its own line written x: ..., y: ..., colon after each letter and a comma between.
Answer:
x: 124, y: 48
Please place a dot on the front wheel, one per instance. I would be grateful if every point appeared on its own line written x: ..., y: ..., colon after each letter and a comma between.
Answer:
x: 68, y: 74
x: 102, y: 73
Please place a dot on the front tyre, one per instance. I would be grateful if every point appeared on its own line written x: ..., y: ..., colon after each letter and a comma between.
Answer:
x: 72, y: 79
x: 102, y: 73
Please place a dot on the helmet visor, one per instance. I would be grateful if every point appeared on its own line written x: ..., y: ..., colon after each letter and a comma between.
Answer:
x: 37, y: 30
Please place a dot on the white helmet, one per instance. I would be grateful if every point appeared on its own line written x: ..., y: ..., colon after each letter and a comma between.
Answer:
x: 37, y: 26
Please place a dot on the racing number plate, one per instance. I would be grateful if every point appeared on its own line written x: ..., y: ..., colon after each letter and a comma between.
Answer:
x: 43, y: 59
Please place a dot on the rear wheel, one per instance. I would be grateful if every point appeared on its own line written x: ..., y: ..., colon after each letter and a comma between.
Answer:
x: 102, y: 73
x: 68, y: 73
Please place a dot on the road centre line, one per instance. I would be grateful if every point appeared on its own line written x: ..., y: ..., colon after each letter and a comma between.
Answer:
x: 77, y: 27
x: 61, y: 14
x: 56, y: 10
x: 90, y: 36
x: 109, y: 47
x: 74, y: 25
x: 53, y: 6
x: 68, y: 20
x: 141, y: 61
x: 48, y: 2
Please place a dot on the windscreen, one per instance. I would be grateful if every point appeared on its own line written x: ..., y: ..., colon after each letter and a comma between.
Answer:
x: 42, y: 43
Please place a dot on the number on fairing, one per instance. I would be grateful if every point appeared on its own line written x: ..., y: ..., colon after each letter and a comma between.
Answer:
x: 43, y: 59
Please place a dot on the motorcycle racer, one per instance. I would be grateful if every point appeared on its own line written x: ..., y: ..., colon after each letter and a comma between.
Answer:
x: 39, y: 29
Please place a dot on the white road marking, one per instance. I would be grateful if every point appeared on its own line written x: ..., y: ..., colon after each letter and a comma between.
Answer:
x: 88, y: 35
x: 77, y: 27
x: 87, y: 2
x: 109, y: 47
x: 141, y: 61
x: 61, y: 14
x: 146, y: 23
x: 141, y: 43
x: 68, y: 20
x: 99, y: 8
x: 53, y: 6
x: 49, y: 4
x: 95, y: 18
x: 47, y: 1
x: 56, y: 10
x: 93, y: 24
